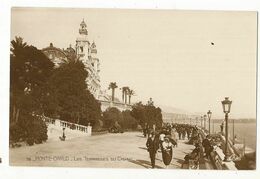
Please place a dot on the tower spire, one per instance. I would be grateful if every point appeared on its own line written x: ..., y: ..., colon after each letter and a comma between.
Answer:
x: 83, y: 28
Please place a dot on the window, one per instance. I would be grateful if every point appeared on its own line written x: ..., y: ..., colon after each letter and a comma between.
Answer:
x: 81, y: 49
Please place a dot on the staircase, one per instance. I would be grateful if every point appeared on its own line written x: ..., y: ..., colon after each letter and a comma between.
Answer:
x: 71, y: 130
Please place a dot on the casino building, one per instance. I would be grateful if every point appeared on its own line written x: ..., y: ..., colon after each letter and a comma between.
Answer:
x: 87, y: 53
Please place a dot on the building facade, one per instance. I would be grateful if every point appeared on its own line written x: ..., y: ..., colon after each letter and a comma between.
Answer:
x: 85, y: 52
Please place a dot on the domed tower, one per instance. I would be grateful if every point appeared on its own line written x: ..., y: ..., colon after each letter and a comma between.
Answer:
x: 95, y: 60
x: 88, y: 55
x: 82, y: 43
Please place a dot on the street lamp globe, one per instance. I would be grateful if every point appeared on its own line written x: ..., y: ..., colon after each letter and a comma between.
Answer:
x: 226, y: 104
x: 209, y: 114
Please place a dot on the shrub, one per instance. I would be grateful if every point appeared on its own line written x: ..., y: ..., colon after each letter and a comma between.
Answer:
x: 111, y: 117
x: 39, y: 132
x: 128, y: 122
x: 30, y: 129
x: 16, y: 133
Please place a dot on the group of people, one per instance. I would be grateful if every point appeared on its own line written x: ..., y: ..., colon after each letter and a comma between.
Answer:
x: 184, y: 131
x: 163, y: 142
x: 203, y: 147
x: 167, y: 137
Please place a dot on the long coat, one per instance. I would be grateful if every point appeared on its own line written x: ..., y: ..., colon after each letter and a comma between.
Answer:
x: 152, y: 144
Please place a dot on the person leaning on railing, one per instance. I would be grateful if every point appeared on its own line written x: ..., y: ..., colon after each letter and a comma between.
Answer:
x: 194, y: 156
x: 207, y: 146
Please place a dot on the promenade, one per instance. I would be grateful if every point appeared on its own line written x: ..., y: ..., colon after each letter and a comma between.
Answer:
x: 125, y: 150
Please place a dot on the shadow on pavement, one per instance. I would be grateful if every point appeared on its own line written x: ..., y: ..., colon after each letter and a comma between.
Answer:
x: 143, y: 163
x: 142, y: 148
x: 180, y: 161
x: 140, y: 136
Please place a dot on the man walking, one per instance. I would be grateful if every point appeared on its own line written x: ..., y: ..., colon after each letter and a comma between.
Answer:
x: 152, y: 146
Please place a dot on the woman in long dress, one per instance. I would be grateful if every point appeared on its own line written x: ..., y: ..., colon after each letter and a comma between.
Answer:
x: 166, y: 151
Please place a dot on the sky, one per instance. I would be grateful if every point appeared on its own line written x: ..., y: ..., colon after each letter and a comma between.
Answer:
x: 164, y: 54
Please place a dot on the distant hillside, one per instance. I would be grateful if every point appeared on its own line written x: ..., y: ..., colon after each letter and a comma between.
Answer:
x: 247, y: 120
x: 169, y: 109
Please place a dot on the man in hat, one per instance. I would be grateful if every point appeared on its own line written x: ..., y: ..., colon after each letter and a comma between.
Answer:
x: 152, y: 147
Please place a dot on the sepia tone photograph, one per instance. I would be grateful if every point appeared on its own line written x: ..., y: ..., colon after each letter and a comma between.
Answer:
x: 142, y: 89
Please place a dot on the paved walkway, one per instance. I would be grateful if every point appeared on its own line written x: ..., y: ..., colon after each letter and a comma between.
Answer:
x: 125, y: 150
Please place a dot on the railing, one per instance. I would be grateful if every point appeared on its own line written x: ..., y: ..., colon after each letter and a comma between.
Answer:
x: 68, y: 125
x: 116, y: 104
x: 217, y: 155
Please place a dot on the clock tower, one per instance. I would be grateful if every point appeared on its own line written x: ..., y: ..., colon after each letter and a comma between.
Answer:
x: 88, y: 55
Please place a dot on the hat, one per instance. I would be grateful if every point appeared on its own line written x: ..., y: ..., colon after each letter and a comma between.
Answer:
x: 166, y: 138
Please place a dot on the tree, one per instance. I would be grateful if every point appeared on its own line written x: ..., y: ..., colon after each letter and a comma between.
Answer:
x: 69, y: 90
x: 139, y: 113
x: 29, y: 73
x: 113, y: 86
x: 154, y: 116
x: 147, y: 115
x: 30, y: 70
x: 128, y: 122
x: 124, y: 94
x: 130, y: 94
x: 112, y: 116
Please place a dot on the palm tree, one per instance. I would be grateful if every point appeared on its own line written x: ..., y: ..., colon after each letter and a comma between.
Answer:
x: 123, y: 93
x: 130, y: 93
x: 126, y: 93
x: 113, y: 86
x: 16, y: 46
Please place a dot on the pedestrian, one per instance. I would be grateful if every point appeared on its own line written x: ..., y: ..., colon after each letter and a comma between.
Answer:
x: 183, y: 133
x: 195, y: 156
x: 179, y: 133
x: 167, y: 151
x: 207, y: 147
x: 188, y: 133
x: 174, y: 135
x: 152, y: 147
x: 161, y: 139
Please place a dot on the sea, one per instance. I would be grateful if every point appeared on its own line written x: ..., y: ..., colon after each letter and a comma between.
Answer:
x: 243, y: 131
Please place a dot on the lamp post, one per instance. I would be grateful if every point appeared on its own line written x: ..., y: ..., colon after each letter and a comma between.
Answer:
x: 205, y: 121
x: 226, y: 104
x: 213, y: 126
x: 209, y: 117
x: 201, y: 119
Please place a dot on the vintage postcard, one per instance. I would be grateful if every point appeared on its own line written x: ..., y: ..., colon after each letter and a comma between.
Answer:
x: 120, y: 88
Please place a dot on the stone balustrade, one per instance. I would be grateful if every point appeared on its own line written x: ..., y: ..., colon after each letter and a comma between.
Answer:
x: 118, y: 105
x: 68, y: 125
x: 218, y: 156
